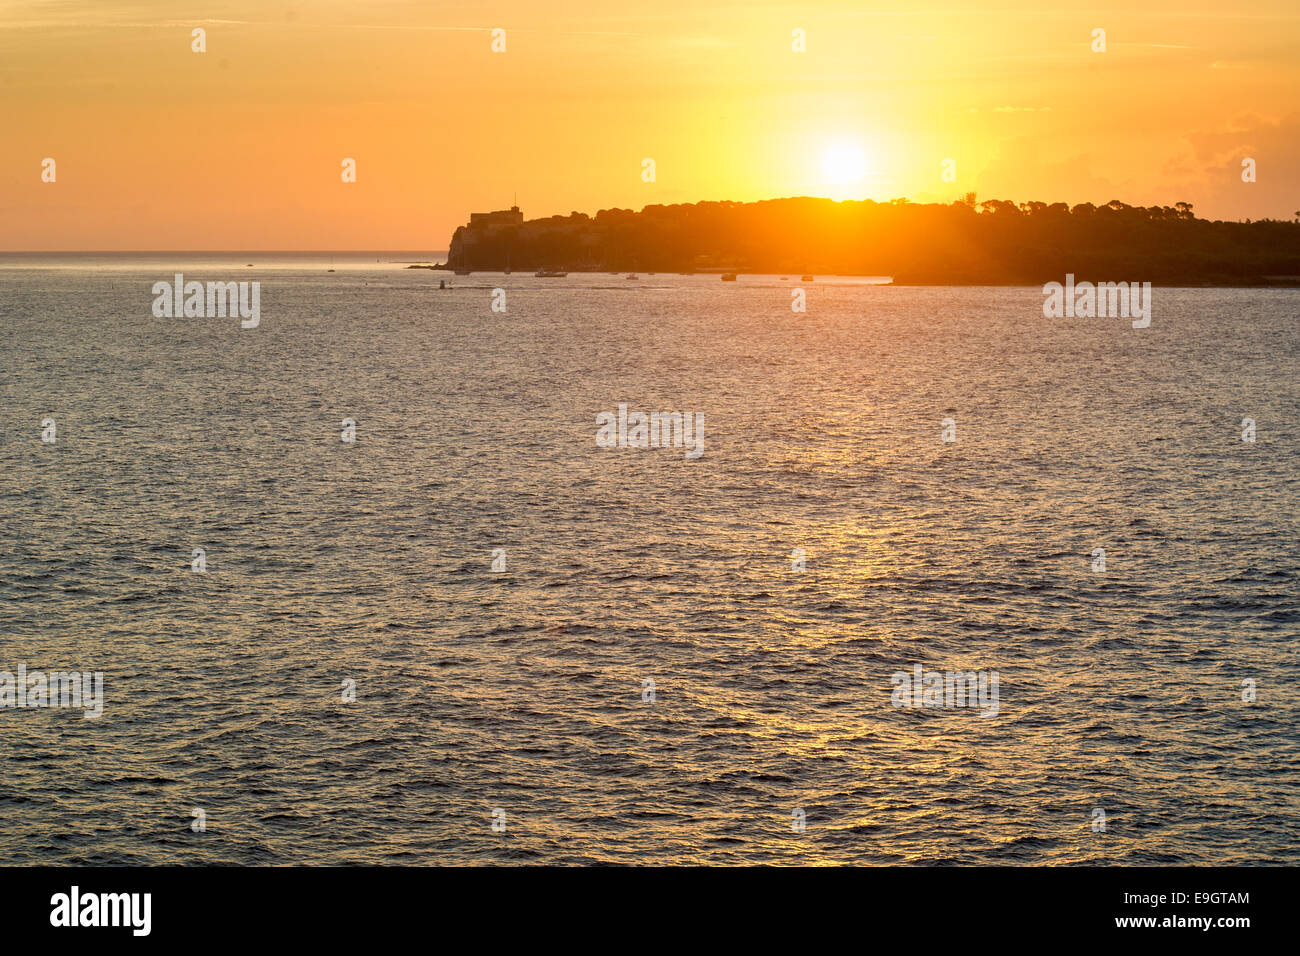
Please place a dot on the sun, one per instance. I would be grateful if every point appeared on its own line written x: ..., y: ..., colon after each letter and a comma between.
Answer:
x: 844, y: 164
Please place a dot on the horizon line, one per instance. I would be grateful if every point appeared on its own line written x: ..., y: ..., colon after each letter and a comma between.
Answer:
x: 139, y: 252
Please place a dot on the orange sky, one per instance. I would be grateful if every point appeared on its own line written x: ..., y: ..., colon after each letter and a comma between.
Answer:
x: 240, y: 147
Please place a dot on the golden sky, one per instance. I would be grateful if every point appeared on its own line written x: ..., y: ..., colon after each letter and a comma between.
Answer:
x: 240, y: 147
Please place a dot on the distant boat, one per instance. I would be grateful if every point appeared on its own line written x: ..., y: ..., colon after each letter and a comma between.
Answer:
x: 463, y: 272
x: 805, y: 278
x: 729, y: 277
x: 549, y: 274
x: 633, y: 275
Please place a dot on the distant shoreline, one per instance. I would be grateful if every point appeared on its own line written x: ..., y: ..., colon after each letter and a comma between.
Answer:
x: 962, y: 243
x: 1278, y: 282
x: 164, y: 262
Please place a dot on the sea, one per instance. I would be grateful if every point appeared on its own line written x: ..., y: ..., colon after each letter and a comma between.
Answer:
x: 363, y: 586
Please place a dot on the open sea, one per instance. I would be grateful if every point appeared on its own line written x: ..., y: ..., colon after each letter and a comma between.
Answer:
x: 472, y: 635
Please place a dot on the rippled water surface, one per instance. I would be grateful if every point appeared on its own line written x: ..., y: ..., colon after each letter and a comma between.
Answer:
x: 523, y: 690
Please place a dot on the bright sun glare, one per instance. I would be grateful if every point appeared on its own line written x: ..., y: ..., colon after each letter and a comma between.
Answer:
x: 843, y: 164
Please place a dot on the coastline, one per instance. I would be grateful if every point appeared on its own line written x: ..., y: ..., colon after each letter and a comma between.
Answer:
x: 1281, y: 282
x: 960, y: 243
